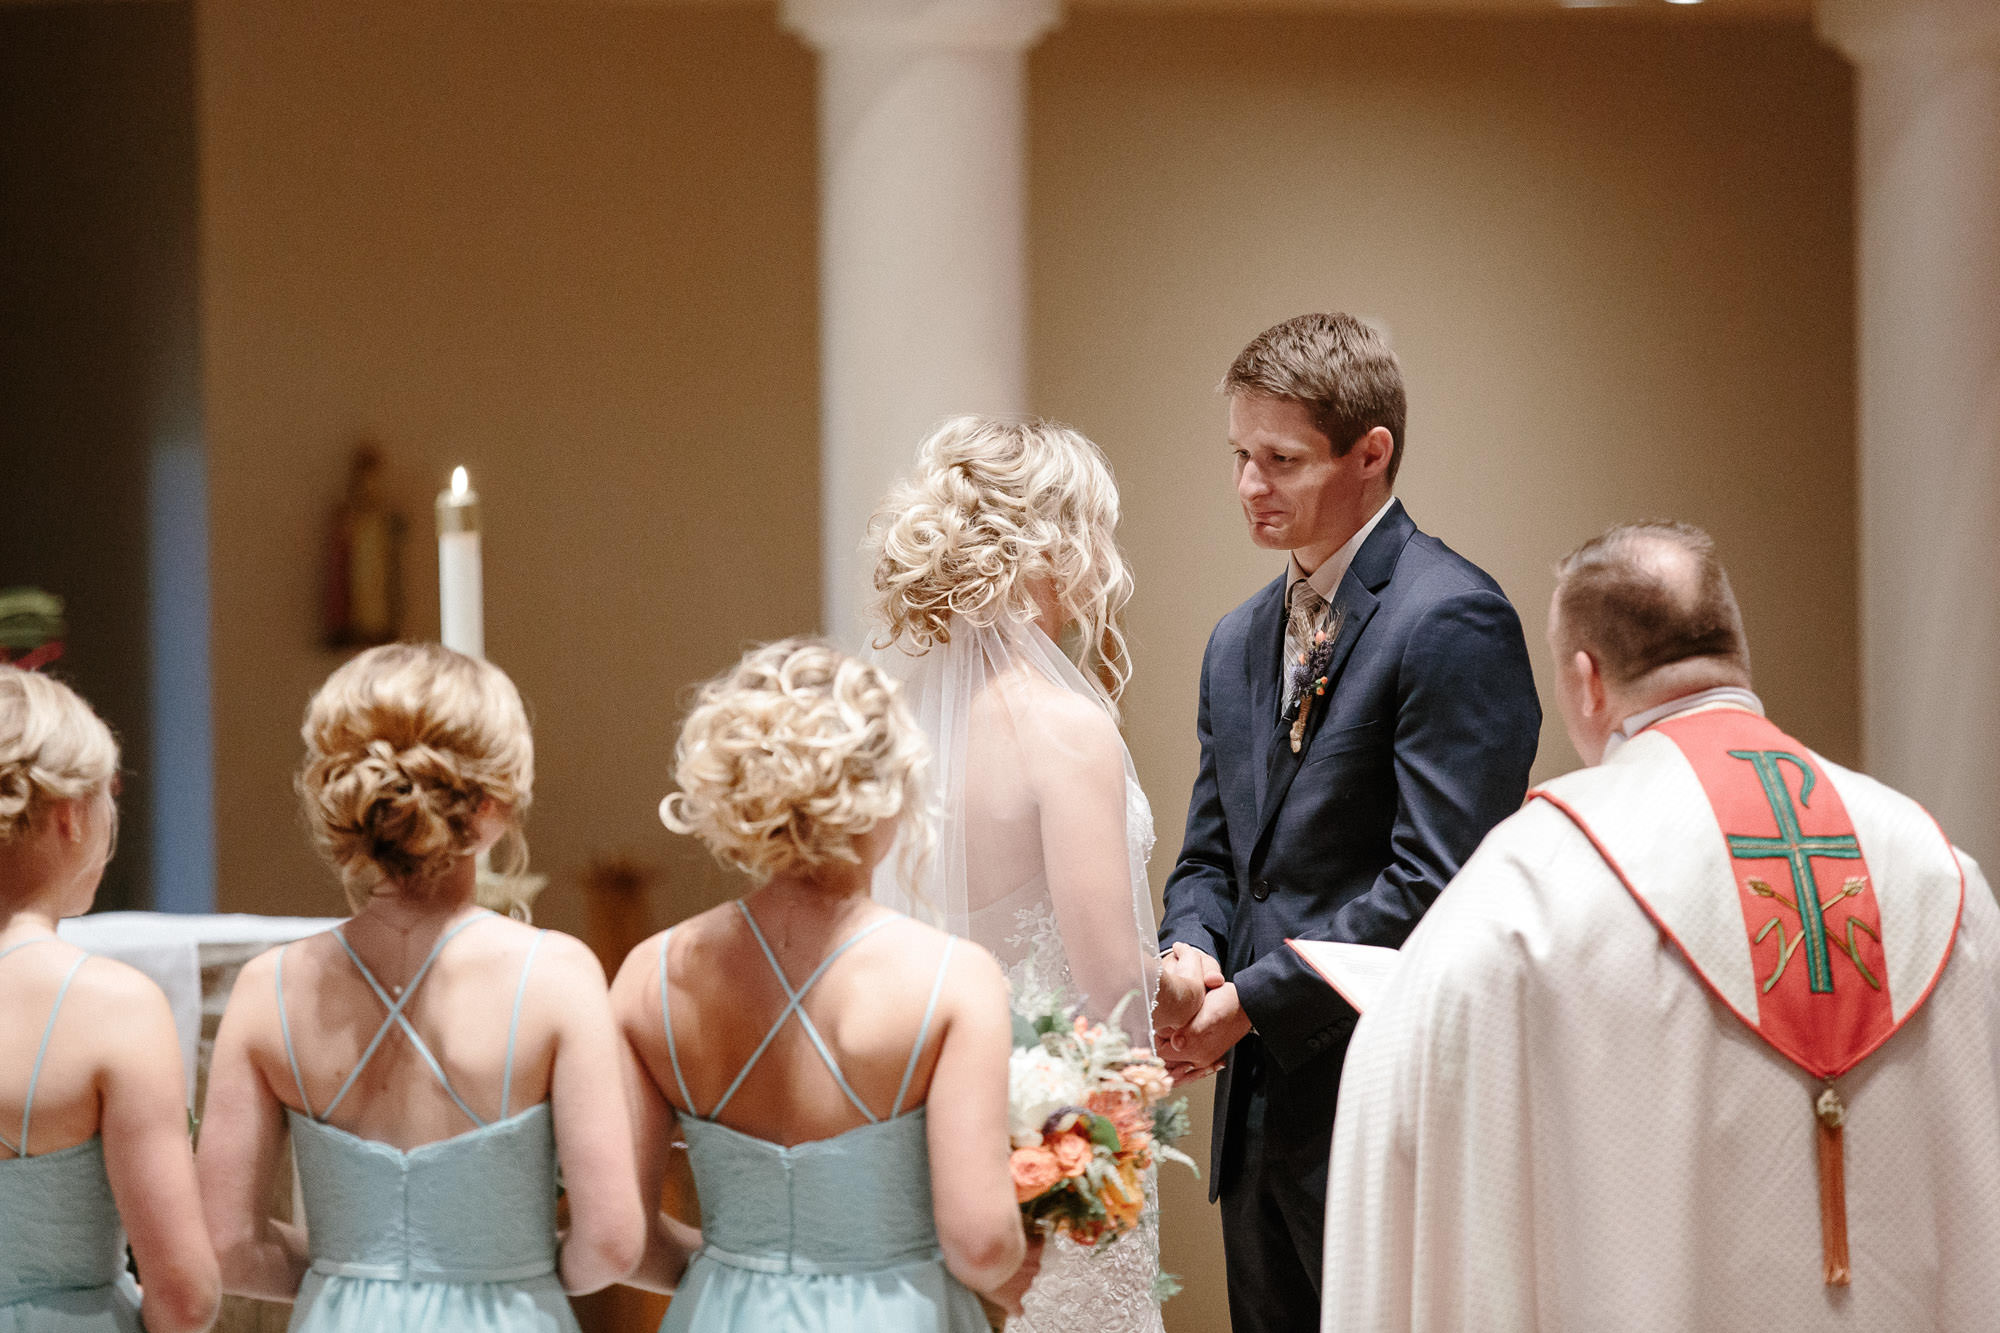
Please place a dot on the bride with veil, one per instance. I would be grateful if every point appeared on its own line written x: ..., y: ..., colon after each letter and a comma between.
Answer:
x: 998, y: 548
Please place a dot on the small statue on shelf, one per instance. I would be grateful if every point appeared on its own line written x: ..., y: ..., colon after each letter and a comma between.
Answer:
x: 364, y: 584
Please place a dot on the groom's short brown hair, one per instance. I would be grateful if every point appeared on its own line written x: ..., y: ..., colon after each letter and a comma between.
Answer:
x: 1339, y: 367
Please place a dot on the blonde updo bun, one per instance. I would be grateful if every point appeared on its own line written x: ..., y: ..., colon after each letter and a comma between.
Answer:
x: 403, y: 745
x: 792, y: 756
x: 994, y: 507
x: 52, y: 748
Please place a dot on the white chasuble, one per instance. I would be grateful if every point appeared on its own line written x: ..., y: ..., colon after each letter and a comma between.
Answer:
x: 1587, y: 1099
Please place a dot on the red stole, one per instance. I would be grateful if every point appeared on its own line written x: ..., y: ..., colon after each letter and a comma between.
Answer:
x: 1808, y: 900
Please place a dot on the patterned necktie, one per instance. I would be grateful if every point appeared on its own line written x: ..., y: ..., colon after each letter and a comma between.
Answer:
x: 1307, y: 610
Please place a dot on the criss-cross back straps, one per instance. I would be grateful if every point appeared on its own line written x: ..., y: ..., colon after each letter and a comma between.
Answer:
x: 795, y: 1004
x: 41, y: 1054
x: 514, y: 1024
x: 394, y: 1018
x: 923, y: 1031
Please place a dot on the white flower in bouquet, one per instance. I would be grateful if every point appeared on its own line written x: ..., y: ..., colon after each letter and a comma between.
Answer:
x: 1040, y: 1082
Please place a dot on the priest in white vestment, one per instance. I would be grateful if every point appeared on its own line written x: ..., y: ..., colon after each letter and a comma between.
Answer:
x: 1621, y: 1082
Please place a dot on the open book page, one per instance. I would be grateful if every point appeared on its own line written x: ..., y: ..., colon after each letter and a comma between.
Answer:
x: 1357, y: 971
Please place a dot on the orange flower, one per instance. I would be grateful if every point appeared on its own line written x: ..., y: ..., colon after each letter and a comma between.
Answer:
x: 1125, y: 1112
x: 1035, y: 1170
x: 1072, y: 1153
x: 1125, y: 1199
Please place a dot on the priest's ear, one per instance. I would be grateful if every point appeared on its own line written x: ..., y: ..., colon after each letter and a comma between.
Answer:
x: 1584, y: 701
x: 1593, y: 699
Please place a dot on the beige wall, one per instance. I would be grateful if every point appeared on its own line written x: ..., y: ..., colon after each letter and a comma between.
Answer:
x: 572, y: 248
x: 1616, y: 262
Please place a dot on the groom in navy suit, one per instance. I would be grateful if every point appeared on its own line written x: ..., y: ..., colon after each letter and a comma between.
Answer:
x: 1364, y: 720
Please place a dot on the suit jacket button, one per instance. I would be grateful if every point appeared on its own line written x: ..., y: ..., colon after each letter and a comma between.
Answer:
x: 1260, y: 889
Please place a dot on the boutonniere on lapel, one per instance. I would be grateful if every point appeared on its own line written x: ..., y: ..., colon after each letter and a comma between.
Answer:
x: 1309, y: 678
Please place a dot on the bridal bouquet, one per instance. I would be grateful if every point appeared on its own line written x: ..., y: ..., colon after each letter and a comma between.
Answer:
x: 1088, y: 1116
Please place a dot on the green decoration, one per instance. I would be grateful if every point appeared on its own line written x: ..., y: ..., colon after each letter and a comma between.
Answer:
x: 1799, y: 851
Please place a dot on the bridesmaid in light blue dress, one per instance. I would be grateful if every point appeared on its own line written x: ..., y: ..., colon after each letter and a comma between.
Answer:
x: 433, y: 1061
x: 847, y: 1132
x: 93, y: 1109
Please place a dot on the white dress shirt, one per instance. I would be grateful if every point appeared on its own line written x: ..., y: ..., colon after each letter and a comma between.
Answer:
x: 1327, y: 577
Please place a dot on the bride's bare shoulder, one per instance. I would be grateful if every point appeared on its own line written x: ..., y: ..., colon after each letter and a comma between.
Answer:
x: 1036, y: 703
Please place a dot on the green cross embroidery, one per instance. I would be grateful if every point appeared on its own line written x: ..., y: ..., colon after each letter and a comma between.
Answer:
x: 1794, y: 847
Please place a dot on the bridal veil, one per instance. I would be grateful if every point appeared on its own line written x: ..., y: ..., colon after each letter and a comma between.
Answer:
x: 1043, y: 831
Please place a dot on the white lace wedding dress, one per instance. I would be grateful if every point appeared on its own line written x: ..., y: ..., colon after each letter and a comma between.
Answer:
x: 997, y: 703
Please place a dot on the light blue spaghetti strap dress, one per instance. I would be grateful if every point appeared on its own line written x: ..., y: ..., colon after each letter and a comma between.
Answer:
x: 62, y: 1247
x: 457, y: 1236
x: 832, y: 1236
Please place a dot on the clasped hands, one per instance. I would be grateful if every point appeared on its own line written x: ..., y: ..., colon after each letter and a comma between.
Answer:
x: 1197, y: 1017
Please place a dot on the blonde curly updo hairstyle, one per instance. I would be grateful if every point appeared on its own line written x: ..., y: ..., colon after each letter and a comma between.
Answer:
x: 792, y: 756
x: 994, y: 507
x: 52, y: 748
x: 403, y: 744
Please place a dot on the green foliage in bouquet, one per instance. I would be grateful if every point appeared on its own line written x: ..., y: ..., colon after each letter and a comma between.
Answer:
x: 1089, y: 1116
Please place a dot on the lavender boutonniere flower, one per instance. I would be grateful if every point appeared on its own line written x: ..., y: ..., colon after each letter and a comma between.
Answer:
x: 1309, y: 678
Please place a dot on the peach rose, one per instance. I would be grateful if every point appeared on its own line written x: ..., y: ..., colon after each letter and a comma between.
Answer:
x: 1152, y: 1080
x: 1072, y: 1153
x: 1035, y: 1171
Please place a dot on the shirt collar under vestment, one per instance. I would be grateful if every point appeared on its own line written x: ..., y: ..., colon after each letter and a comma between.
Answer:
x: 1734, y: 696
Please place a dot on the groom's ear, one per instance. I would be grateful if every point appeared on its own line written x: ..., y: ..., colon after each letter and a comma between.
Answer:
x: 1377, y: 449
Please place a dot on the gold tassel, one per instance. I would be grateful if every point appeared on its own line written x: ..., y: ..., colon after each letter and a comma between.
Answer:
x: 1831, y: 1115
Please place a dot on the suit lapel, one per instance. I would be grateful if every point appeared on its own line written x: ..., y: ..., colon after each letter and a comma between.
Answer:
x: 1355, y: 601
x: 1263, y: 646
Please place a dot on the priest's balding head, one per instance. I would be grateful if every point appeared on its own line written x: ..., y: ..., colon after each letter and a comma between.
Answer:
x: 1642, y: 615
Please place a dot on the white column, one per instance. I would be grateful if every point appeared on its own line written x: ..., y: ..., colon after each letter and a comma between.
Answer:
x: 923, y: 270
x: 1927, y: 188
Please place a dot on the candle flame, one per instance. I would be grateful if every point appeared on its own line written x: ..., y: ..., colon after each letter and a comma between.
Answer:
x: 459, y: 483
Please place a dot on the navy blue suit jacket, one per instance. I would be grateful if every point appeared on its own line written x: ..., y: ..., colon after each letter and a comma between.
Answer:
x: 1421, y: 745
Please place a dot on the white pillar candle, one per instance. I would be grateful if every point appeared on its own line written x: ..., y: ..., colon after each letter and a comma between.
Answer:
x: 461, y: 606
